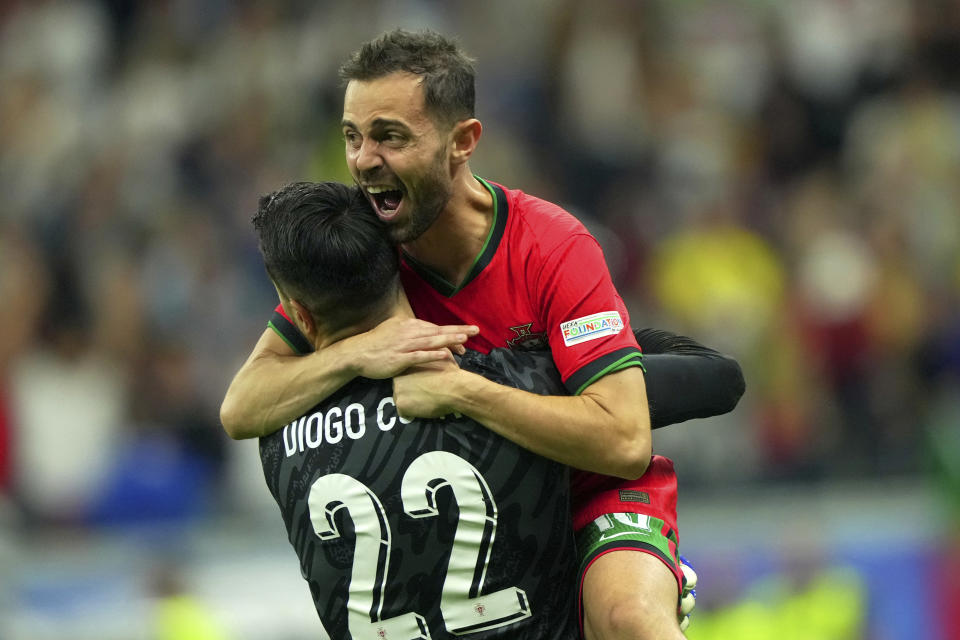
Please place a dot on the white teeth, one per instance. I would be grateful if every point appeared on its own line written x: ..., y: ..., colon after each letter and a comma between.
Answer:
x: 380, y: 189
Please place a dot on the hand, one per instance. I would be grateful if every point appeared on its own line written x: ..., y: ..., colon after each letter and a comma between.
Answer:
x: 399, y: 343
x: 417, y: 392
x: 688, y: 598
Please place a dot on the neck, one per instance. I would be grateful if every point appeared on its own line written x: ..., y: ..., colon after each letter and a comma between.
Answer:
x: 398, y: 307
x: 454, y: 240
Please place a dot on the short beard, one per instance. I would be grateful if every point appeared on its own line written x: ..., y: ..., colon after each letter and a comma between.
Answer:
x: 436, y: 190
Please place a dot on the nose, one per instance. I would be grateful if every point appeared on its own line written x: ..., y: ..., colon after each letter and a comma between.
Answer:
x: 367, y: 156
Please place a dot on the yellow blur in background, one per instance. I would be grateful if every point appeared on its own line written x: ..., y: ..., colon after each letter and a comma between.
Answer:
x: 778, y: 180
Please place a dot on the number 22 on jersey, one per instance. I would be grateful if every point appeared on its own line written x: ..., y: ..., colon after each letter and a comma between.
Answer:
x: 463, y: 607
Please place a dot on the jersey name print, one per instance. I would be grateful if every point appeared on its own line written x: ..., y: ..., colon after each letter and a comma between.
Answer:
x: 426, y: 528
x: 333, y: 424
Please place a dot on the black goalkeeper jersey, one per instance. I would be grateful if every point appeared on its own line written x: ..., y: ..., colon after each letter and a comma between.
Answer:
x: 427, y: 528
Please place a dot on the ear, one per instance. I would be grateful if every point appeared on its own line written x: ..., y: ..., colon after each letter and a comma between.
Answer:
x: 302, y: 318
x: 465, y: 136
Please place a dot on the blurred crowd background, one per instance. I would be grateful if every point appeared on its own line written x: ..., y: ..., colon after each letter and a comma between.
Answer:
x: 780, y: 180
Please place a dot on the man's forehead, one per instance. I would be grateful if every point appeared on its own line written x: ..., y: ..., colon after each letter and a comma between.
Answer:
x: 396, y: 97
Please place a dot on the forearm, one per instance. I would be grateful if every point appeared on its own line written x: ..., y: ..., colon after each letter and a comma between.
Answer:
x: 275, y: 385
x: 270, y: 390
x: 587, y: 432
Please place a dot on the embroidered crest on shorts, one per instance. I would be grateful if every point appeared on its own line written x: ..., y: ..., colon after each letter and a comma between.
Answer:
x: 632, y: 495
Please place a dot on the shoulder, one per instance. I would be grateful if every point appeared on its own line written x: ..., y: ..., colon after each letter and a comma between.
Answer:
x: 542, y: 222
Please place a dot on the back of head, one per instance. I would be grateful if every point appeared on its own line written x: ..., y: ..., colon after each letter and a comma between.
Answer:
x: 447, y: 72
x: 324, y: 247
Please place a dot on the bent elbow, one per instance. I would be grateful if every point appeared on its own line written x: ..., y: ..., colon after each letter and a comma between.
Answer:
x: 634, y: 457
x: 736, y: 384
x: 230, y: 419
x: 636, y: 466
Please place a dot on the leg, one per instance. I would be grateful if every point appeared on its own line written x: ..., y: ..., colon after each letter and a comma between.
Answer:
x: 630, y: 575
x: 630, y: 595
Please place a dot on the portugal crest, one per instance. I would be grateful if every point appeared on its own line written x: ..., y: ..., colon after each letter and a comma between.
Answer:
x: 526, y: 339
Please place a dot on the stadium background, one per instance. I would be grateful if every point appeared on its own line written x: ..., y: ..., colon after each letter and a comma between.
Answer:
x: 778, y: 179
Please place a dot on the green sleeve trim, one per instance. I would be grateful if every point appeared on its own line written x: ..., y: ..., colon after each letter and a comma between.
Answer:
x: 283, y: 337
x: 631, y: 360
x: 289, y: 334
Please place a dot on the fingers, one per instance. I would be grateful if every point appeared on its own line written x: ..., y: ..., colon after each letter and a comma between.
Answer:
x: 687, y: 603
x: 440, y: 341
x: 423, y: 357
x: 688, y: 598
x: 468, y: 329
x: 396, y: 344
x: 689, y: 578
x: 419, y: 334
x: 423, y: 328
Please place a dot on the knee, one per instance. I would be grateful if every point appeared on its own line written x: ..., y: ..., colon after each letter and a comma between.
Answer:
x: 636, y: 618
x: 625, y: 619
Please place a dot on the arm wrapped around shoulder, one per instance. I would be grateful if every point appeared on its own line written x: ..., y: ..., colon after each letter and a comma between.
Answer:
x: 686, y: 380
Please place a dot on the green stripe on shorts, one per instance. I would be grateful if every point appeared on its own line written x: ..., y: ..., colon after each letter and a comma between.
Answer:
x: 631, y: 530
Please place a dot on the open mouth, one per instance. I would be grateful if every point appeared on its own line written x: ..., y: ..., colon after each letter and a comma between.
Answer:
x: 386, y: 200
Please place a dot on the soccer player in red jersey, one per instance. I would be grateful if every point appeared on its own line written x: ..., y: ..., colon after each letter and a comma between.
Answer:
x: 526, y: 273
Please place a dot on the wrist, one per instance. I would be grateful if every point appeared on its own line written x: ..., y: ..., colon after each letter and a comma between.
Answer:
x: 338, y: 360
x: 344, y: 361
x: 464, y: 393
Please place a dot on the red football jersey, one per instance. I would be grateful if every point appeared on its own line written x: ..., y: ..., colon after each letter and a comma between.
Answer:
x: 541, y: 281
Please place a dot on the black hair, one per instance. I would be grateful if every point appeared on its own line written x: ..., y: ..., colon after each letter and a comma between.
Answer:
x: 447, y: 72
x: 323, y: 246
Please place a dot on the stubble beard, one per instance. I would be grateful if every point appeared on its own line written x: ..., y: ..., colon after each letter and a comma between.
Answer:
x: 434, y: 192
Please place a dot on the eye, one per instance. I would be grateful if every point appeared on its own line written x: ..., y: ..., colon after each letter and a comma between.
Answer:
x: 352, y: 138
x: 393, y: 138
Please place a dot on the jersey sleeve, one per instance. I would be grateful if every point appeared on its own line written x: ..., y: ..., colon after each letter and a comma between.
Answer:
x: 288, y: 331
x: 588, y: 326
x: 687, y: 380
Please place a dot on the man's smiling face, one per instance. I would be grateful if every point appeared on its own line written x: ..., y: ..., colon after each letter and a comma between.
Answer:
x: 396, y: 152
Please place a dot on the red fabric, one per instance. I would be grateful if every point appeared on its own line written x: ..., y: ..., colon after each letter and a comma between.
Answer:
x: 947, y: 589
x: 547, y: 270
x: 658, y: 484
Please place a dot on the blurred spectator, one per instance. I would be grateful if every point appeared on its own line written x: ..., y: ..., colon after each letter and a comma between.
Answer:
x: 68, y: 401
x: 178, y: 615
x: 779, y: 179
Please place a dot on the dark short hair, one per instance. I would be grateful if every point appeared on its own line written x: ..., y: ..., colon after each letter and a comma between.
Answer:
x: 447, y: 72
x: 323, y: 246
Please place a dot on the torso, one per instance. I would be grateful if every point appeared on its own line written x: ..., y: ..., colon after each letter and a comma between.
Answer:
x: 425, y: 521
x: 539, y: 269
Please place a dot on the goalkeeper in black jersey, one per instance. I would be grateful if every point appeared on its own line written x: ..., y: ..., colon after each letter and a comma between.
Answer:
x: 425, y: 528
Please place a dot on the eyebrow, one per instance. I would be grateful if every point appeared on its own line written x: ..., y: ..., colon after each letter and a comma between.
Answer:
x: 378, y: 123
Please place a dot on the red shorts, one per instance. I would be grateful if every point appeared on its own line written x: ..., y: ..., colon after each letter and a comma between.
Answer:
x: 603, y: 522
x: 653, y: 494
